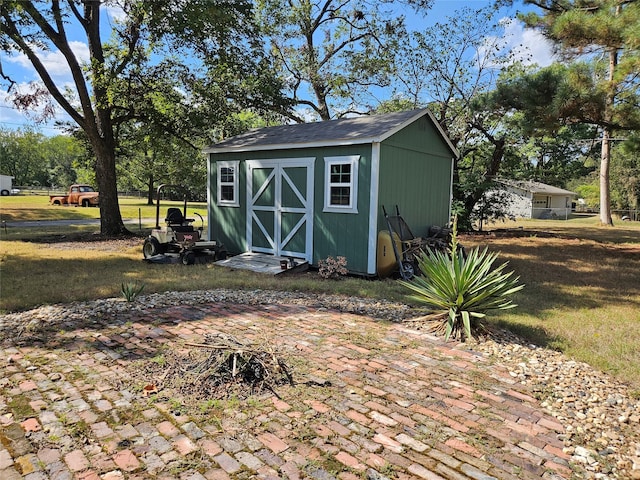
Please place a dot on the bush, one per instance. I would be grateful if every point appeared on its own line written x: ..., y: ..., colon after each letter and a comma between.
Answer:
x: 333, y: 268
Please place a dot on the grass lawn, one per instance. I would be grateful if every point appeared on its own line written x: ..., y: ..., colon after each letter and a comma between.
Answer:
x: 36, y: 207
x: 581, y: 295
x: 582, y: 290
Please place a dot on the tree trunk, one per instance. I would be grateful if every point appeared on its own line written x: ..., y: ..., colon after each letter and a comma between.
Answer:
x: 150, y: 190
x: 605, y: 193
x: 605, y: 155
x: 111, y: 223
x: 323, y: 107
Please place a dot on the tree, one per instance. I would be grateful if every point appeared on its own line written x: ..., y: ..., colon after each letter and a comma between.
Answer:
x: 23, y: 157
x: 112, y: 89
x: 147, y: 157
x: 625, y: 175
x: 448, y: 67
x: 610, y: 28
x: 36, y: 160
x: 331, y: 53
x: 63, y: 154
x: 561, y: 109
x: 557, y: 157
x: 147, y: 160
x: 552, y: 111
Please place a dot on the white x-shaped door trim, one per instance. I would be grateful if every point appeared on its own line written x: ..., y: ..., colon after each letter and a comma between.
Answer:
x: 278, y: 177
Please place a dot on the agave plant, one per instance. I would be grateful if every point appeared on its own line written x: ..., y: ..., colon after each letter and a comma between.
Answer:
x: 131, y: 290
x: 462, y: 288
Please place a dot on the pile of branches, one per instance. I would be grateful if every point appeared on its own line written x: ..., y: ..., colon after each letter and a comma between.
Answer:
x: 220, y: 367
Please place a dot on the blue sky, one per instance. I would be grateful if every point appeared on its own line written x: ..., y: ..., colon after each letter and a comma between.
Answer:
x: 527, y: 42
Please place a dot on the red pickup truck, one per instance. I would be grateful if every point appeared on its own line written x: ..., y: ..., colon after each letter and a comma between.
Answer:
x: 83, y: 195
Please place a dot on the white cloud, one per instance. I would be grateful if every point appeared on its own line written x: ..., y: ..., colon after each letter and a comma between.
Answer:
x: 526, y: 45
x: 516, y: 44
x: 114, y: 12
x: 53, y: 60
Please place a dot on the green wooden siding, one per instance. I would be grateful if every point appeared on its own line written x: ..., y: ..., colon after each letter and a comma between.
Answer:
x: 228, y: 224
x: 343, y: 234
x: 334, y: 234
x: 415, y: 174
x: 420, y: 136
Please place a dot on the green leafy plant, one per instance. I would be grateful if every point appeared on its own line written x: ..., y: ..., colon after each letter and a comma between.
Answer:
x: 333, y: 268
x: 462, y: 288
x: 130, y: 290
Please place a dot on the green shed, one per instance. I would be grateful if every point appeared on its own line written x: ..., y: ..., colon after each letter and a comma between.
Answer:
x: 315, y: 190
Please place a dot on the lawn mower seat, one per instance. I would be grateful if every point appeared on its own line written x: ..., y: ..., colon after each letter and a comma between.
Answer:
x: 176, y: 220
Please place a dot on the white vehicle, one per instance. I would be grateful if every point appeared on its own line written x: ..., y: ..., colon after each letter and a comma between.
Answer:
x: 6, y: 185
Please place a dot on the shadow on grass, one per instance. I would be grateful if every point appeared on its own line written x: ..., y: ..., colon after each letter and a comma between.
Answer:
x: 575, y: 289
x: 526, y: 335
x: 50, y: 212
x: 622, y: 232
x: 568, y: 273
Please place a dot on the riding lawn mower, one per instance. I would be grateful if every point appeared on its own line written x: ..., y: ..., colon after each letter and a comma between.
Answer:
x: 178, y: 240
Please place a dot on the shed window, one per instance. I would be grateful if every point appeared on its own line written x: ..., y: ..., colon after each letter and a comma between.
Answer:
x: 341, y: 184
x: 228, y: 183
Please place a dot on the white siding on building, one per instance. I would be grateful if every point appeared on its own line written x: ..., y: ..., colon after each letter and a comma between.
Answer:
x: 537, y: 200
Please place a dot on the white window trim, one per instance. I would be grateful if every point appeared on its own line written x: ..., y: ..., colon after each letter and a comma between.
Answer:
x: 353, y: 185
x: 235, y: 164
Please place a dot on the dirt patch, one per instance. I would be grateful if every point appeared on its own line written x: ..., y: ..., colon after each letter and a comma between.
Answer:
x: 512, y: 233
x: 88, y: 241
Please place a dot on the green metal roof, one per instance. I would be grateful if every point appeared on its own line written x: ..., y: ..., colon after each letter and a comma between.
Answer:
x: 345, y: 131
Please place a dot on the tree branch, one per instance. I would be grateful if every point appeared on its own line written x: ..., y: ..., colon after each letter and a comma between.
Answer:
x: 59, y: 40
x: 15, y: 35
x: 76, y: 13
x: 132, y: 38
x: 7, y: 78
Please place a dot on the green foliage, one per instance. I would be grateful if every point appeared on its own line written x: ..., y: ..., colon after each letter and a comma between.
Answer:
x: 491, y: 207
x: 172, y: 72
x: 606, y: 33
x: 397, y: 103
x: 463, y: 288
x: 588, y: 190
x: 558, y: 95
x: 559, y: 157
x: 131, y: 290
x: 36, y: 160
x: 625, y: 174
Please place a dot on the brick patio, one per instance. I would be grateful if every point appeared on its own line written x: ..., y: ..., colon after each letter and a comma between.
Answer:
x: 400, y: 404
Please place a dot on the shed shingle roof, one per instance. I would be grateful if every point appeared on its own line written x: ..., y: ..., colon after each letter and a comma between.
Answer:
x: 346, y: 131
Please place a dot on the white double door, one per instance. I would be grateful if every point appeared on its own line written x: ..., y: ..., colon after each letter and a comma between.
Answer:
x: 280, y: 207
